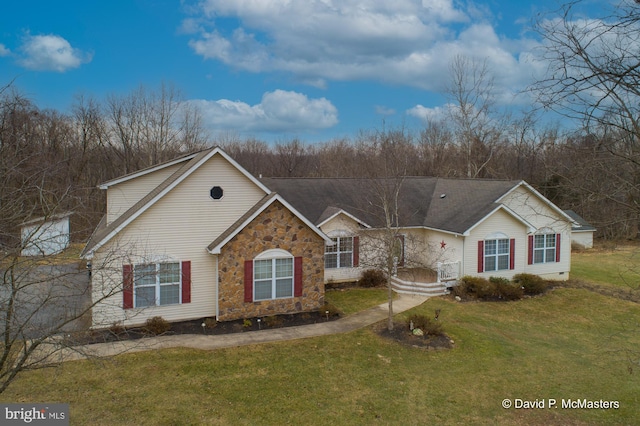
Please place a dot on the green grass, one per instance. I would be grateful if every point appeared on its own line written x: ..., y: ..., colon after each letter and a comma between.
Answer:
x: 569, y: 343
x: 352, y: 300
x: 619, y: 267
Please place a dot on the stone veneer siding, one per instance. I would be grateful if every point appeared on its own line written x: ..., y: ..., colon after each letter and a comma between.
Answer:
x: 274, y: 228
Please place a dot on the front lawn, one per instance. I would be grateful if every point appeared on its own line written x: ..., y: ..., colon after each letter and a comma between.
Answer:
x: 566, y: 344
x: 352, y: 300
x: 619, y: 266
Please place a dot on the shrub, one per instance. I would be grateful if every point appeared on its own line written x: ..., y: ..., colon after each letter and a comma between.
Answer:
x: 509, y: 291
x: 477, y: 287
x: 246, y: 323
x: 372, y: 278
x: 424, y: 323
x: 499, y: 280
x: 531, y: 284
x: 157, y: 326
x: 273, y: 321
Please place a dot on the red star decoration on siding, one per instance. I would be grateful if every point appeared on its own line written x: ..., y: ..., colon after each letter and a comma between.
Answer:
x: 443, y: 244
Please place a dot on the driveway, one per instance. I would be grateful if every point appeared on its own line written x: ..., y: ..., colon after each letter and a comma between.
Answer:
x: 50, y: 299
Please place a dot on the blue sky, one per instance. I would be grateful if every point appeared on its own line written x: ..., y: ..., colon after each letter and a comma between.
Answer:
x: 271, y: 69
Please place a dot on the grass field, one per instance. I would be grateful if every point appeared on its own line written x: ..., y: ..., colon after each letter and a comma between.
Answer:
x: 353, y: 300
x: 569, y: 343
x: 618, y: 266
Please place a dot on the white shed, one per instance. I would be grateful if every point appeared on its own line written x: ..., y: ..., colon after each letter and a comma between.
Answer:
x: 45, y: 235
x: 582, y: 232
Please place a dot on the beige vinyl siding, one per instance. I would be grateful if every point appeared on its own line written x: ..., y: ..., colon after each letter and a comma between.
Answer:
x: 541, y: 215
x: 499, y: 221
x: 122, y: 196
x: 180, y: 226
x: 434, y: 253
x: 345, y: 224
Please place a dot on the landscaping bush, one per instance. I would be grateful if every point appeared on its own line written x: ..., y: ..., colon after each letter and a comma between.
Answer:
x: 499, y: 280
x: 157, y: 326
x: 531, y: 284
x: 424, y: 323
x: 509, y: 291
x: 477, y: 287
x: 372, y: 278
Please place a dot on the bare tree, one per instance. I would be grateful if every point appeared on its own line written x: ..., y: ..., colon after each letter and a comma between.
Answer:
x: 593, y: 75
x: 471, y: 111
x: 146, y: 128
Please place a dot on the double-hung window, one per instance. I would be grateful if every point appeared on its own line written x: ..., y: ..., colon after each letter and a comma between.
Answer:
x: 340, y: 254
x: 156, y: 284
x: 273, y: 278
x: 496, y: 254
x: 544, y: 248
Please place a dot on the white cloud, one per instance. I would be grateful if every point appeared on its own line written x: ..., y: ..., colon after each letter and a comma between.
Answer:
x: 4, y: 51
x: 50, y: 53
x: 427, y: 115
x: 405, y: 42
x: 279, y: 111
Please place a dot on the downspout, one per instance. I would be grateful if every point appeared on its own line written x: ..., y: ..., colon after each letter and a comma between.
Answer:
x: 217, y: 287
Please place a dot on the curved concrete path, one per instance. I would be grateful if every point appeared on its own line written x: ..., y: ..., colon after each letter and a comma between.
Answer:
x: 362, y: 319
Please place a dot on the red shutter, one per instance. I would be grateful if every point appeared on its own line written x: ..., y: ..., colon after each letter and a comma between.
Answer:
x: 248, y: 280
x: 480, y: 256
x: 297, y: 276
x: 530, y: 253
x: 557, y: 247
x: 356, y: 251
x: 127, y: 286
x: 512, y: 253
x: 186, y: 281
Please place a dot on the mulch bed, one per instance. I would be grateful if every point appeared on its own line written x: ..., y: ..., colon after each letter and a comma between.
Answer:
x: 404, y: 336
x: 114, y: 334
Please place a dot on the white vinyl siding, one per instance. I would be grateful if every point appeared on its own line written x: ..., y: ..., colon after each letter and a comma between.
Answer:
x: 122, y: 196
x: 506, y: 225
x: 343, y: 224
x: 541, y: 215
x: 180, y: 226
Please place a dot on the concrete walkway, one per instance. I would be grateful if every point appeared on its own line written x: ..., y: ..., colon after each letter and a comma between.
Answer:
x: 343, y: 325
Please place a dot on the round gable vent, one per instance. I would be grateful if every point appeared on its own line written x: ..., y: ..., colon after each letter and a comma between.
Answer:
x: 216, y: 192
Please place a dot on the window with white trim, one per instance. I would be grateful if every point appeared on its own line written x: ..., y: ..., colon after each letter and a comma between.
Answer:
x: 156, y: 284
x: 544, y: 248
x: 340, y: 254
x: 496, y: 254
x: 273, y: 278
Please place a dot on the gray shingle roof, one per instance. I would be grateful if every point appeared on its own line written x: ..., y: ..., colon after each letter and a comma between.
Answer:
x: 421, y: 201
x: 583, y: 225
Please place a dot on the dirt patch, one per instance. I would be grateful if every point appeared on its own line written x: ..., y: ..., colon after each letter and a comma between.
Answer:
x: 211, y: 327
x: 403, y: 335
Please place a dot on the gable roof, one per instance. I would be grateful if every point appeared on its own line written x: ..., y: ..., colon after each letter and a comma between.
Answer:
x: 105, y: 233
x: 450, y: 205
x: 147, y: 170
x: 581, y: 224
x: 259, y: 207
